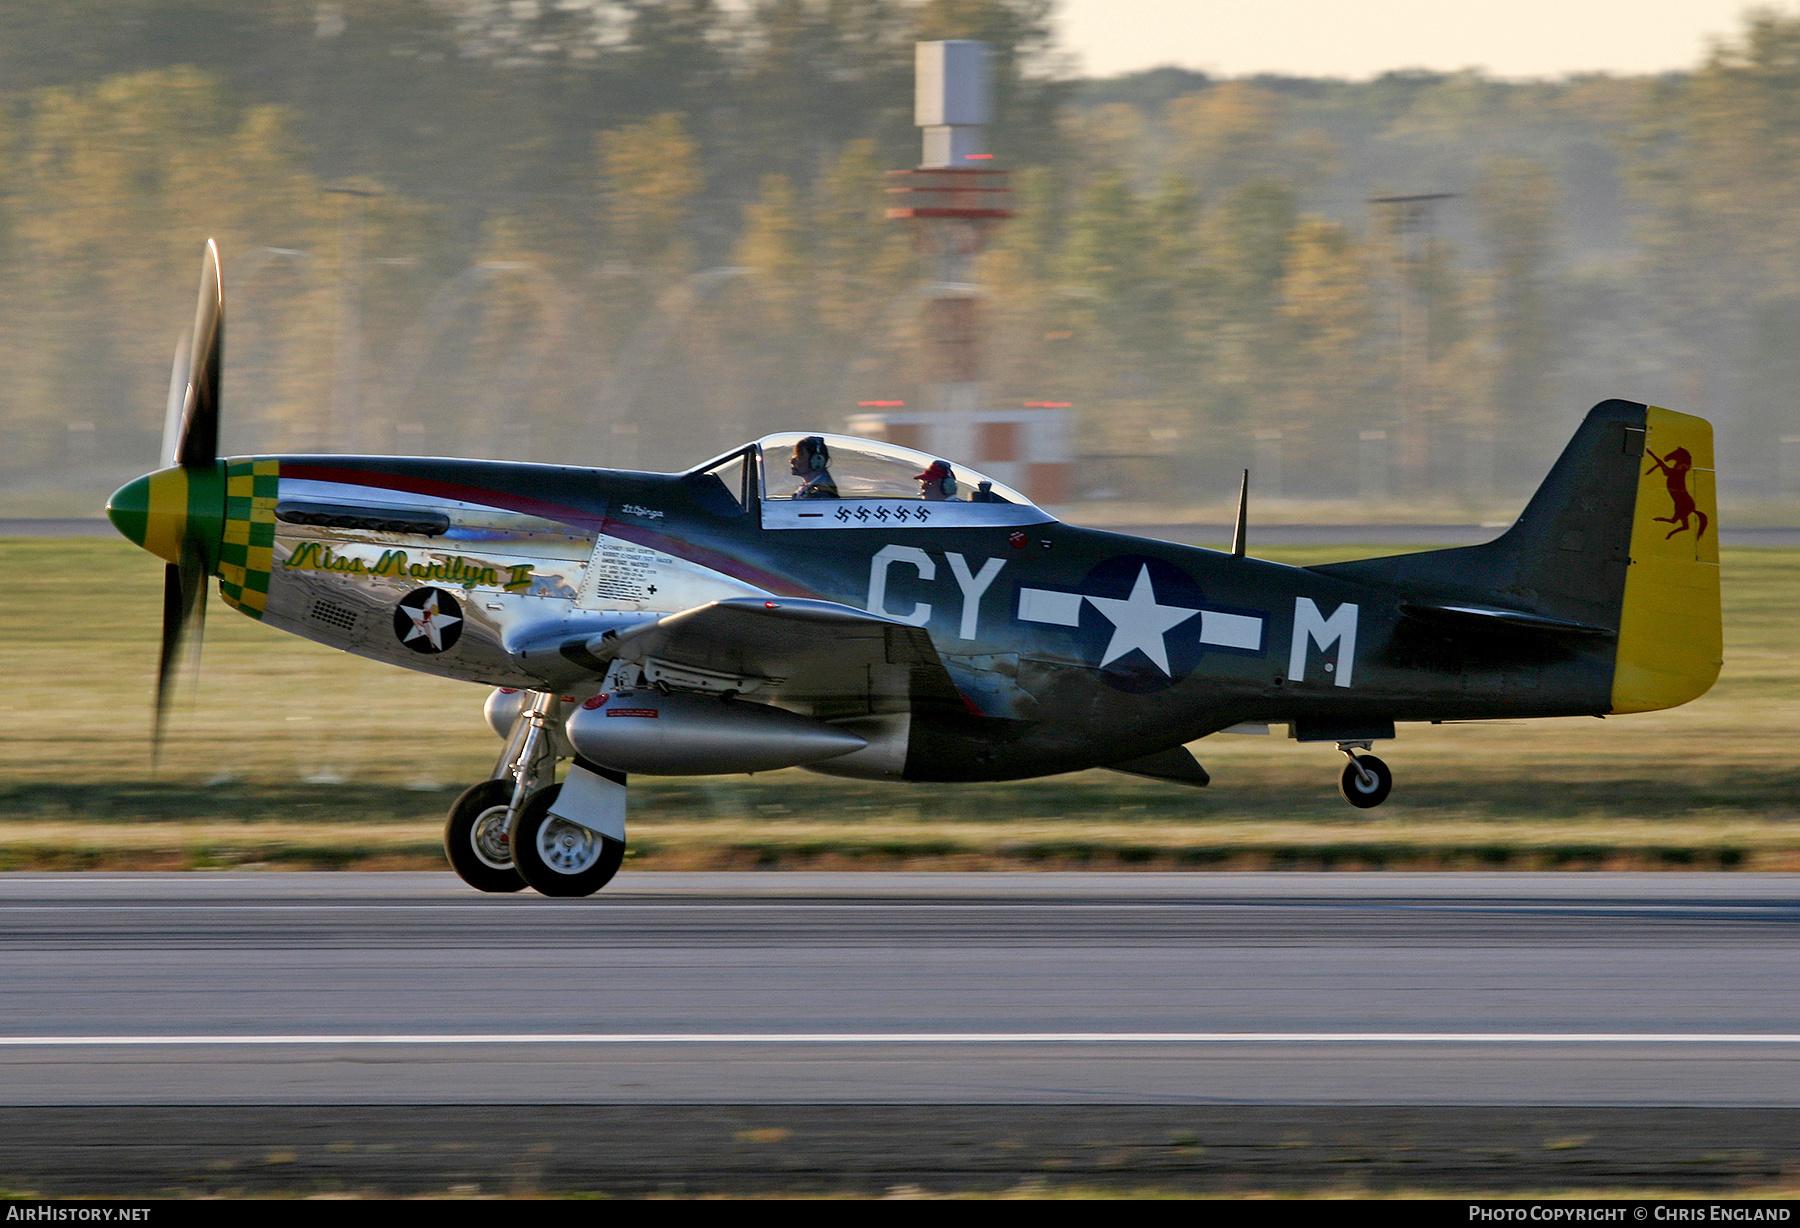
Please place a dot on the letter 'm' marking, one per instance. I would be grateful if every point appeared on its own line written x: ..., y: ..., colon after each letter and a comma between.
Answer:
x: 1339, y: 629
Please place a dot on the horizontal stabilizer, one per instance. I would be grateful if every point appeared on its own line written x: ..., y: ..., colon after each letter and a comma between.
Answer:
x: 1176, y: 765
x: 1470, y: 617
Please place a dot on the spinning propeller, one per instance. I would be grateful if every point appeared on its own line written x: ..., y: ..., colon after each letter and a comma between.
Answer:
x: 178, y: 511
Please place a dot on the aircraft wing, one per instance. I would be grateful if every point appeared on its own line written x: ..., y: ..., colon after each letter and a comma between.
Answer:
x: 828, y: 660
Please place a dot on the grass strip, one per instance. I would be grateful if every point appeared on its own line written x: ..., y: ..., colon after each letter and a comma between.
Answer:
x: 1729, y: 845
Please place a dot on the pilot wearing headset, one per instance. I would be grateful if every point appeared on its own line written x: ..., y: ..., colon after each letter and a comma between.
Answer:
x: 811, y: 458
x: 937, y: 483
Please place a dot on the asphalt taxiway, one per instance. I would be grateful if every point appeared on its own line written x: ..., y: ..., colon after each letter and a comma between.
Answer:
x: 994, y: 989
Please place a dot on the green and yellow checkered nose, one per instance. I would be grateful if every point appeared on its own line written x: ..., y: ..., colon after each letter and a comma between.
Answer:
x: 165, y: 510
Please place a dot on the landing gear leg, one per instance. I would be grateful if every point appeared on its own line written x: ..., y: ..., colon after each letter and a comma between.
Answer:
x: 478, y: 831
x: 1366, y: 780
x: 568, y: 839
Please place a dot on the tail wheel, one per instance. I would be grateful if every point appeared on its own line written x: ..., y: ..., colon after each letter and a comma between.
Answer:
x: 558, y: 857
x: 476, y: 839
x: 1366, y: 781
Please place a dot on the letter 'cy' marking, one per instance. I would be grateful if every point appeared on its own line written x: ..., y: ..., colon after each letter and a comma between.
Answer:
x: 1339, y: 629
x: 973, y: 586
x: 886, y: 557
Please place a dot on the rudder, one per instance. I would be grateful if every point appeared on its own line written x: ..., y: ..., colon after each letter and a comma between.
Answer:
x: 1671, y: 631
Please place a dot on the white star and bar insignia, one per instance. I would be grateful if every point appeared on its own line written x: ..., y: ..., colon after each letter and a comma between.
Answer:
x: 1141, y: 621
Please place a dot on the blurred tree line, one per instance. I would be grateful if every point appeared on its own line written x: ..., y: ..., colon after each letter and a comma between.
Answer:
x: 636, y: 232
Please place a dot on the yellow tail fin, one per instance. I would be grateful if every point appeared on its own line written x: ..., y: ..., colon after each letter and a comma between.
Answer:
x: 1670, y: 629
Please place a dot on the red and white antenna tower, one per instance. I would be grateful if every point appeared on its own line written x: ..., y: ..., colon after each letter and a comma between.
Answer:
x: 953, y: 199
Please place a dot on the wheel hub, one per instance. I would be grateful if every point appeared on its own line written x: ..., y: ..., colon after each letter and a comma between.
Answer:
x: 568, y: 848
x: 488, y: 837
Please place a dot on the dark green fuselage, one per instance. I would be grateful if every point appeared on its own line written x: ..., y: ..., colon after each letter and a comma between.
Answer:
x: 1056, y: 667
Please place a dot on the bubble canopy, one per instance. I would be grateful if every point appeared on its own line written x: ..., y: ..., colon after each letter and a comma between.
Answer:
x: 870, y: 469
x: 811, y: 480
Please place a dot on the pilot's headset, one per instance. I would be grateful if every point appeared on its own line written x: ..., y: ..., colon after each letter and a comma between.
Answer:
x: 938, y: 480
x: 813, y: 449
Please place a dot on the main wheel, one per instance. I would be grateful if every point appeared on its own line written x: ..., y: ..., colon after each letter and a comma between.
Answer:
x: 475, y: 838
x: 558, y: 857
x: 1366, y: 782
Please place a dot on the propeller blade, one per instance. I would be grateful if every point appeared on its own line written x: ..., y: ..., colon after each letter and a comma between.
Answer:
x: 183, y: 626
x: 178, y: 384
x: 169, y: 661
x: 191, y: 440
x: 193, y: 634
x: 199, y: 440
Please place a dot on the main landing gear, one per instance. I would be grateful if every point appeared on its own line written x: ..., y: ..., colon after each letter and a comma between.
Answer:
x: 1366, y: 780
x: 501, y: 834
x: 477, y: 838
x: 558, y: 856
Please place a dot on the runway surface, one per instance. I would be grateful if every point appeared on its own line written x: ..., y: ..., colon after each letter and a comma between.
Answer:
x: 996, y: 989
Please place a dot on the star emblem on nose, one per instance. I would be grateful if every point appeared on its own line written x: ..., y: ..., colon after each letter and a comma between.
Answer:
x: 428, y: 620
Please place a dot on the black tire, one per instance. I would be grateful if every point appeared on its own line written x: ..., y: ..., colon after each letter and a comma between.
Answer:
x: 566, y: 860
x: 472, y: 844
x: 1366, y: 782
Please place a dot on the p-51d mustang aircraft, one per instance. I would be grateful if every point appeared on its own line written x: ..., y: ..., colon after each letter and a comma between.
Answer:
x: 865, y: 610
